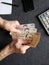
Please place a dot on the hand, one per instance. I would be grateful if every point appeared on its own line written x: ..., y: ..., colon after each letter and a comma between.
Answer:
x: 19, y: 46
x: 14, y: 47
x: 13, y: 27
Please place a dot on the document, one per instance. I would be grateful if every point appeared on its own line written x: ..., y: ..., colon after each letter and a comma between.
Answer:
x: 5, y: 8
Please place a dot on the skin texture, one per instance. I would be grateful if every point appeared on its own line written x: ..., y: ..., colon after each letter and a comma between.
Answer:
x: 16, y: 46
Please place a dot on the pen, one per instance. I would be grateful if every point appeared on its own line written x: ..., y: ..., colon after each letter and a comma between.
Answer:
x: 10, y: 4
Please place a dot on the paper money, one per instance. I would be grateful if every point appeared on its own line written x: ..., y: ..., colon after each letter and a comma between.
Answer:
x: 29, y: 28
x: 34, y: 39
x: 30, y: 33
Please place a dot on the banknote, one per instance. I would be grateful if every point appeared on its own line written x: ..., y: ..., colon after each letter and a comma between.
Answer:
x: 31, y: 34
x: 29, y: 28
x: 33, y: 38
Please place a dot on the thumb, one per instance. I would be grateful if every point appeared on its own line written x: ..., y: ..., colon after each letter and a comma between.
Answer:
x: 15, y: 30
x: 24, y: 48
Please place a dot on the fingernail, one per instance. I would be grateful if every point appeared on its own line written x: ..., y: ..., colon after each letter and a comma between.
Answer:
x: 17, y: 22
x: 23, y: 52
x: 10, y: 33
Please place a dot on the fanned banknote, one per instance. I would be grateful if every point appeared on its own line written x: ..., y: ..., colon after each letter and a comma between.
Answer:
x: 30, y: 33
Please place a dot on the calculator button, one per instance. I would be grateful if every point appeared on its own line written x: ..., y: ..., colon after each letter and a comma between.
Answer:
x: 44, y: 20
x: 46, y: 16
x: 47, y: 12
x: 47, y: 26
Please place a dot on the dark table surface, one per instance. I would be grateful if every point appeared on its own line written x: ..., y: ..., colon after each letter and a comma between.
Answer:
x: 33, y: 56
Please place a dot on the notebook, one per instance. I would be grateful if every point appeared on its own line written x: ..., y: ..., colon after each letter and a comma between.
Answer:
x: 4, y: 8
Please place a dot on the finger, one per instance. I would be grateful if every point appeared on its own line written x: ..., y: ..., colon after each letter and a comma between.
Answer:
x: 19, y: 27
x: 24, y: 49
x: 17, y: 22
x: 19, y: 43
x: 25, y: 42
x: 16, y: 30
x: 14, y: 36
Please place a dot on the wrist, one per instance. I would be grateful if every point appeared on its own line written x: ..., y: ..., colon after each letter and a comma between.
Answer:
x: 5, y: 52
x: 4, y: 24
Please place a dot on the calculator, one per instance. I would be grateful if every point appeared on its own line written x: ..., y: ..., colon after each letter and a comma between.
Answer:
x: 44, y: 19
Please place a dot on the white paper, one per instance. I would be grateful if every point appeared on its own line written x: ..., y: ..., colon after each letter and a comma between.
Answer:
x: 4, y: 8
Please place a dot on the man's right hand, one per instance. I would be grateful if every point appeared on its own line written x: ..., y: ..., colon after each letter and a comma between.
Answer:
x: 19, y: 46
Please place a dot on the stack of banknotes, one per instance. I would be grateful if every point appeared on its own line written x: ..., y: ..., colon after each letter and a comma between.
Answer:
x: 31, y: 34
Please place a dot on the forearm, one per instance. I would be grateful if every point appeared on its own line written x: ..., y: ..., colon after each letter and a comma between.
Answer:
x: 5, y: 52
x: 3, y: 23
